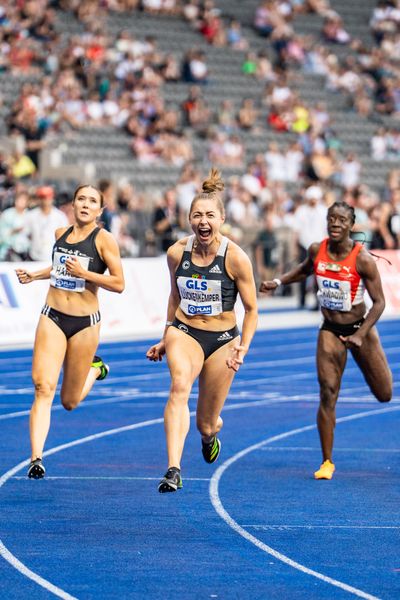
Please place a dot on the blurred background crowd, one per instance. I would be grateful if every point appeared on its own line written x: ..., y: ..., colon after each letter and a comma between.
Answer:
x: 296, y: 101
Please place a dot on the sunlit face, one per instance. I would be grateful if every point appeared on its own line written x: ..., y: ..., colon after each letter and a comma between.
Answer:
x: 340, y: 223
x: 87, y: 205
x: 206, y: 220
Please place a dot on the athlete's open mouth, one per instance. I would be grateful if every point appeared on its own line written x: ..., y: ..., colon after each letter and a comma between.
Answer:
x: 204, y: 233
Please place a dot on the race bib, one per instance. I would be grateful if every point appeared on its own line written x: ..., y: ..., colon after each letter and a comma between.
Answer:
x: 333, y: 294
x: 200, y: 296
x: 61, y: 279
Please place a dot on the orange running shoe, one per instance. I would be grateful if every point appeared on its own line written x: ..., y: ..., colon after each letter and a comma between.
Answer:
x: 325, y: 471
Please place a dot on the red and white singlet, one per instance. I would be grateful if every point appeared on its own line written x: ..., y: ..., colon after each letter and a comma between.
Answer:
x: 339, y: 284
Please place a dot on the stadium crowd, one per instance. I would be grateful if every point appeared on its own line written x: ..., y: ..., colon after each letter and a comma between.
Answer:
x: 278, y: 203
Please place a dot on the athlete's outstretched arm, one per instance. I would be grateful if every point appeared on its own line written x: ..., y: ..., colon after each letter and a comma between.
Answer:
x: 174, y: 255
x: 28, y: 276
x: 298, y: 273
x: 367, y: 268
x: 241, y: 270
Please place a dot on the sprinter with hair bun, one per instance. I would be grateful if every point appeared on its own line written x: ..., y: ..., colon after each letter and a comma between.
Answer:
x: 201, y: 338
x: 67, y: 334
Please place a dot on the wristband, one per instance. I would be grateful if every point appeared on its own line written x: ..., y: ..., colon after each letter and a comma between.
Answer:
x: 277, y: 281
x: 168, y: 323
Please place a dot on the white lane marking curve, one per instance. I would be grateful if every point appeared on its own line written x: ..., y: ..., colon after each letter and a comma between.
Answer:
x: 13, y: 560
x: 225, y: 516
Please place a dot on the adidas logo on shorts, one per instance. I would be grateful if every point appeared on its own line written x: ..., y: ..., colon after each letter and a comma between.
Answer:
x: 224, y: 337
x: 215, y: 269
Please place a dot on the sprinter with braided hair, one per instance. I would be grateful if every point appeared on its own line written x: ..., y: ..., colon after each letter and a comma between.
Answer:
x: 201, y: 338
x: 344, y: 269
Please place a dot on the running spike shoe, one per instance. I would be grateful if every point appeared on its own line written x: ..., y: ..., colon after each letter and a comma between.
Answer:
x: 211, y: 450
x: 36, y: 469
x: 98, y: 363
x: 171, y: 481
x: 325, y: 471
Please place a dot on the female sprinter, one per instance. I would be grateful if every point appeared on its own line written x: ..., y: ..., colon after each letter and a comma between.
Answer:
x: 343, y: 270
x: 201, y: 338
x: 68, y: 330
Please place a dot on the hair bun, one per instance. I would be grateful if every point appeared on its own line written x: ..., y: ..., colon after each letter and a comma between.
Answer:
x: 214, y: 182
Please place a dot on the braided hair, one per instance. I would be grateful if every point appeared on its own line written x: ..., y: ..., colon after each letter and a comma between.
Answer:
x: 342, y: 204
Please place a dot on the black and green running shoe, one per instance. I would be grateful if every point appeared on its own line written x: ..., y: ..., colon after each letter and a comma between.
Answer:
x: 36, y: 469
x: 211, y: 450
x: 171, y: 481
x: 98, y: 363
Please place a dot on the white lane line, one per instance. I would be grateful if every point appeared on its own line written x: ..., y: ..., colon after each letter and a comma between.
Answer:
x: 317, y: 449
x: 288, y: 527
x: 130, y: 396
x: 97, y: 478
x: 13, y: 560
x: 223, y: 513
x: 6, y: 554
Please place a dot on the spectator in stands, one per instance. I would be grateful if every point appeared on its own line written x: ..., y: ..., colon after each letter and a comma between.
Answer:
x: 21, y: 166
x: 41, y: 222
x: 235, y: 37
x: 14, y: 242
x: 247, y: 115
x: 333, y: 30
x: 266, y: 251
x: 166, y: 220
x: 389, y: 221
x: 194, y: 67
x: 350, y: 172
x: 309, y: 222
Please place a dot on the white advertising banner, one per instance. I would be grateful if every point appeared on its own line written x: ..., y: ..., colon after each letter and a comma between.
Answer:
x: 140, y: 311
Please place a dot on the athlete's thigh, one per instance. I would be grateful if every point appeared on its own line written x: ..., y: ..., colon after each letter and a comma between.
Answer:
x: 372, y: 361
x: 49, y: 351
x: 215, y: 381
x: 185, y: 356
x: 331, y: 358
x: 81, y: 348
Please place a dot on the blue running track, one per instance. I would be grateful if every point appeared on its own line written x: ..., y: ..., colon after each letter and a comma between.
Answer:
x: 255, y: 525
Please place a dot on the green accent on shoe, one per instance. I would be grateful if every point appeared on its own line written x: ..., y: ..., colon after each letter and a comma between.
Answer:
x: 211, y: 450
x: 98, y: 363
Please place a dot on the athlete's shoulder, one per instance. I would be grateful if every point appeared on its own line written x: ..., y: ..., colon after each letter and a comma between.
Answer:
x: 175, y: 252
x: 365, y: 262
x: 60, y: 231
x: 236, y: 257
x: 314, y: 249
x: 105, y: 239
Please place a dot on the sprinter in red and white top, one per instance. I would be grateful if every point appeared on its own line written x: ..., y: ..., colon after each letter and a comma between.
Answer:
x: 344, y: 269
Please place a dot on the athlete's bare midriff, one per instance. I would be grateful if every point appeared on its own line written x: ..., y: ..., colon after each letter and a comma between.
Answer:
x: 223, y: 321
x: 344, y: 318
x: 73, y: 303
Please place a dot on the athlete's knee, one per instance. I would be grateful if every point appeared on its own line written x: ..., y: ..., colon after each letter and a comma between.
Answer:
x: 328, y: 394
x: 384, y: 395
x: 180, y: 387
x: 43, y: 388
x: 69, y: 402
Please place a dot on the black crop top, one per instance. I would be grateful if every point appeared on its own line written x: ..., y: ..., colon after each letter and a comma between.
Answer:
x: 87, y: 254
x: 205, y: 290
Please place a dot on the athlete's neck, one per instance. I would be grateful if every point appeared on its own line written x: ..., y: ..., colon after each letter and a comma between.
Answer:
x: 205, y: 250
x: 82, y: 231
x: 340, y: 248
